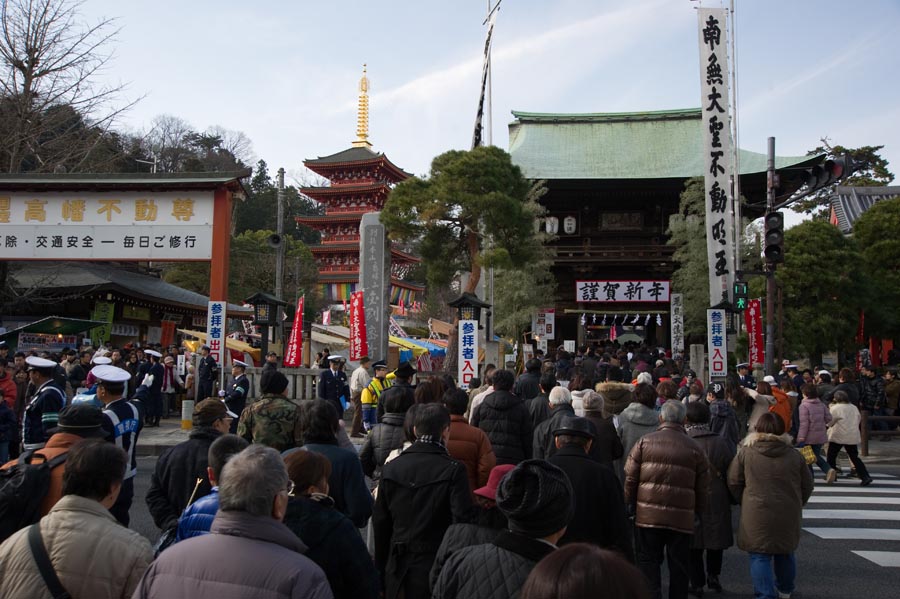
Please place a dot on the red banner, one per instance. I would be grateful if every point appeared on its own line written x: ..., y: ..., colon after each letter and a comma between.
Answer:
x: 753, y: 320
x: 359, y: 346
x: 293, y: 353
x: 168, y: 333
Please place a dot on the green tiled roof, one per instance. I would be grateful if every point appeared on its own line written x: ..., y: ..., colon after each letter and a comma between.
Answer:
x: 663, y: 144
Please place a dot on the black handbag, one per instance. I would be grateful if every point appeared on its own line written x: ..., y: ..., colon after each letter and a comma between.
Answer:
x: 45, y: 567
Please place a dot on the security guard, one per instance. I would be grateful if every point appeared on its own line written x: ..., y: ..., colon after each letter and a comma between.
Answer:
x: 122, y: 423
x: 236, y: 398
x: 371, y: 395
x: 332, y: 385
x: 42, y: 412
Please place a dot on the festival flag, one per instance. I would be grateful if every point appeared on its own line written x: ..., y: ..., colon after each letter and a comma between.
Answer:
x: 753, y: 322
x: 612, y: 332
x: 293, y: 354
x: 326, y: 317
x: 359, y: 346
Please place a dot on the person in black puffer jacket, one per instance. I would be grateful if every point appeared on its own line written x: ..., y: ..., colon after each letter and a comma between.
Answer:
x: 505, y: 420
x: 386, y: 436
x: 537, y: 499
x: 333, y: 542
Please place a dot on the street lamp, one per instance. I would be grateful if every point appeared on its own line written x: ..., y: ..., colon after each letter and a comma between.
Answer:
x: 265, y: 314
x: 468, y: 306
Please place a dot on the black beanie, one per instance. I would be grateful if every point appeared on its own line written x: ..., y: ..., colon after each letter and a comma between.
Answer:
x: 272, y: 381
x: 536, y: 498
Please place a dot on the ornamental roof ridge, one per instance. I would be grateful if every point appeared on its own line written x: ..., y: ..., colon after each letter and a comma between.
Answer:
x: 580, y: 117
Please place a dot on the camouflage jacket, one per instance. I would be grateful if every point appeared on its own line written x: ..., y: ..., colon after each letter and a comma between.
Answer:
x: 273, y: 420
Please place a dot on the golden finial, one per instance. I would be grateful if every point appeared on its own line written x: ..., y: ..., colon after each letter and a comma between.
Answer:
x: 362, y: 117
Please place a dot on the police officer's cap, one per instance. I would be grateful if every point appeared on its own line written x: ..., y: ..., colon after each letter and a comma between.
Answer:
x: 110, y: 374
x: 743, y: 365
x: 239, y: 364
x: 153, y: 352
x: 35, y: 363
x: 380, y: 365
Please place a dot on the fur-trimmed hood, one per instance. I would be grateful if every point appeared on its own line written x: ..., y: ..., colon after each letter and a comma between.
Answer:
x: 768, y: 444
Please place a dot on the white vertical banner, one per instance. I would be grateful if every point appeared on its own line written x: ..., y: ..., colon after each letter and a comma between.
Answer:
x: 717, y: 346
x: 215, y: 331
x: 468, y: 352
x: 717, y: 153
x: 677, y: 322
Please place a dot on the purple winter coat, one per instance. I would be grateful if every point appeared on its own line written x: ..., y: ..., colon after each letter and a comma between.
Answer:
x: 813, y: 418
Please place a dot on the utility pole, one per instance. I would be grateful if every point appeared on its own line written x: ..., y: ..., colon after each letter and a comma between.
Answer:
x: 770, y: 265
x: 279, y: 252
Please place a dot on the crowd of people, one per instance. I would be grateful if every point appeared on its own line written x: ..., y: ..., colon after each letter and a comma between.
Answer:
x: 577, y: 478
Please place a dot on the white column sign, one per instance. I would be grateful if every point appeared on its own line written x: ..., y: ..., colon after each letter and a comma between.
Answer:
x: 718, y: 351
x: 468, y: 352
x: 717, y: 150
x: 215, y: 331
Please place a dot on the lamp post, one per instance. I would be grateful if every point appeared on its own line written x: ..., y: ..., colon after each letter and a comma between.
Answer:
x: 265, y: 314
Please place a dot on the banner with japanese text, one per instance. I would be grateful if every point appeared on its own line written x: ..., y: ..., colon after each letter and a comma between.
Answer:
x: 543, y: 323
x: 359, y: 345
x: 717, y: 347
x: 468, y: 352
x: 107, y: 226
x: 104, y: 312
x: 677, y: 323
x: 753, y: 321
x: 717, y: 160
x: 293, y: 353
x: 215, y: 331
x: 622, y: 291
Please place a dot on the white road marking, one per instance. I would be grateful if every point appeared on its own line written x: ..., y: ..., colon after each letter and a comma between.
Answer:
x: 868, y: 534
x: 863, y: 490
x: 887, y: 559
x: 817, y: 514
x: 849, y: 499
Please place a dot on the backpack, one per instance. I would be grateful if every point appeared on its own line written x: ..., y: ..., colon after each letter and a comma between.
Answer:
x: 22, y: 487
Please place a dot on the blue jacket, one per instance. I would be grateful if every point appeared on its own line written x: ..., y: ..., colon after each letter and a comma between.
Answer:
x: 197, y: 518
x: 347, y: 483
x: 9, y: 424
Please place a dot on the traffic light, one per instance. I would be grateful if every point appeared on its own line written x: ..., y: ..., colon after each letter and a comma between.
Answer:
x: 830, y: 171
x: 740, y: 295
x: 774, y: 249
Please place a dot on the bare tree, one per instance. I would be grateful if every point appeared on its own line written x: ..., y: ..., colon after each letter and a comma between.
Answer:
x: 234, y: 142
x: 53, y: 112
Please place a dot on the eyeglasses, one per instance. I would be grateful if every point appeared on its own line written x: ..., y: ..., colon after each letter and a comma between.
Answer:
x: 290, y: 488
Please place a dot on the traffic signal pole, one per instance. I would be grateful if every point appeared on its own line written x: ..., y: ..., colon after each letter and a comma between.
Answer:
x: 770, y: 265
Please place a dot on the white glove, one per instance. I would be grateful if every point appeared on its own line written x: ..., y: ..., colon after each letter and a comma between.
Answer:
x: 221, y: 393
x: 148, y: 380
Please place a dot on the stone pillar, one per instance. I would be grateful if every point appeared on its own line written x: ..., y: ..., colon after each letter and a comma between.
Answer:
x: 375, y: 283
x: 698, y: 362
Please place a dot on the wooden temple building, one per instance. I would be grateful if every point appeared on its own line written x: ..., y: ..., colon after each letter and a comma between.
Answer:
x: 361, y: 180
x: 613, y: 181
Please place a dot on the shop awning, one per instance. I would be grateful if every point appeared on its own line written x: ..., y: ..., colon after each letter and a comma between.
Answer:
x: 56, y: 325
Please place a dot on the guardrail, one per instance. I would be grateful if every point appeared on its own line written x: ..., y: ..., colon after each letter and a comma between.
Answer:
x: 865, y: 433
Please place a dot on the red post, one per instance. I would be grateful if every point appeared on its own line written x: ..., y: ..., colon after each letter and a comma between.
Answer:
x: 221, y: 245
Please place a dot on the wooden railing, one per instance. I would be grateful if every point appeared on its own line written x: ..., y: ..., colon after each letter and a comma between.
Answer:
x: 865, y: 433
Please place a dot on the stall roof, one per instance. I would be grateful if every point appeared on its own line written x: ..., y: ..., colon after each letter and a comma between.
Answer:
x: 56, y: 325
x: 229, y: 343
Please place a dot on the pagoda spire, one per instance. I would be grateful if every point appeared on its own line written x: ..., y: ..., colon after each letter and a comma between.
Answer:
x: 362, y: 117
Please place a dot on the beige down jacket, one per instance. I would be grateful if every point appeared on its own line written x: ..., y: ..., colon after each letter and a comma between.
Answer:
x: 844, y: 425
x: 93, y: 555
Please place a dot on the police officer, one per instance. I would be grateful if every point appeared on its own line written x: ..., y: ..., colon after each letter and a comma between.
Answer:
x: 122, y: 423
x: 42, y: 412
x: 747, y: 379
x: 332, y: 385
x: 206, y: 376
x: 236, y: 398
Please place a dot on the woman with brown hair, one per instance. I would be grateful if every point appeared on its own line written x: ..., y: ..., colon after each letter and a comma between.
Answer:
x: 332, y: 541
x: 771, y: 481
x: 584, y: 571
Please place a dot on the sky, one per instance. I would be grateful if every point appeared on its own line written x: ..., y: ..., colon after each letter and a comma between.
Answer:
x: 286, y: 73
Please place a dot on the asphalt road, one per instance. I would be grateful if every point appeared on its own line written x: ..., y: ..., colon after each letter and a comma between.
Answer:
x: 827, y: 568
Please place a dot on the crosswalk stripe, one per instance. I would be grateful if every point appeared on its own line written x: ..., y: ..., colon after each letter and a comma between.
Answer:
x: 863, y: 490
x: 819, y: 475
x: 867, y: 534
x: 887, y: 559
x: 848, y: 499
x: 845, y: 482
x: 851, y: 514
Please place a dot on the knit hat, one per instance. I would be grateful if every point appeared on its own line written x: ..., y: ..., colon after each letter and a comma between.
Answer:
x: 537, y: 499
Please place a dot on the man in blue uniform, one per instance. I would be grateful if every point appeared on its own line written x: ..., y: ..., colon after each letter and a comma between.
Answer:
x: 236, y: 398
x: 206, y: 375
x: 42, y: 412
x: 747, y: 379
x: 333, y: 386
x: 154, y: 408
x: 122, y: 423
